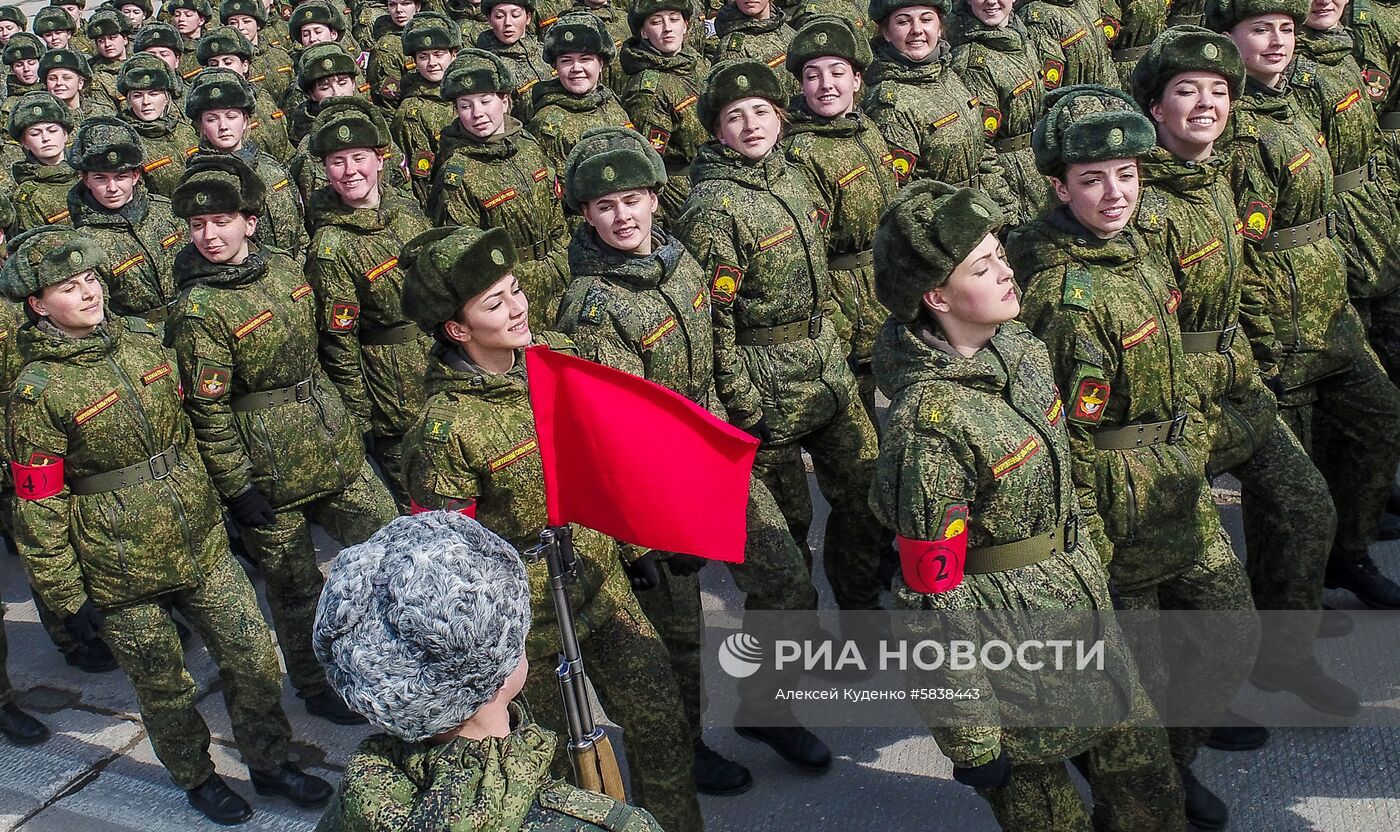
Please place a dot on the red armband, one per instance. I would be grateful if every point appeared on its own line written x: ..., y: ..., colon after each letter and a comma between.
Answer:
x: 936, y: 565
x: 468, y: 508
x: 35, y: 482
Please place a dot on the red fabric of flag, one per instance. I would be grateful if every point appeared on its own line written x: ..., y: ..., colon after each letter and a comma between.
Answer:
x: 637, y: 461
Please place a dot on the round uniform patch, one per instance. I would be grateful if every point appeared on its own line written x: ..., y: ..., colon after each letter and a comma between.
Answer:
x: 343, y: 133
x: 569, y: 37
x: 143, y: 79
x: 609, y: 174
x: 216, y: 93
x: 326, y: 64
x: 75, y: 258
x: 1210, y: 51
x: 202, y: 199
x: 498, y: 257
x: 980, y: 211
x: 742, y: 82
x: 1115, y: 137
x: 112, y: 156
x: 820, y: 38
x: 38, y: 111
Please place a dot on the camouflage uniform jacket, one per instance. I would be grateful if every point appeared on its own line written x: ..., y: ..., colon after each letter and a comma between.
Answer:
x: 139, y: 242
x: 473, y: 449
x: 41, y: 193
x: 660, y: 98
x: 273, y: 70
x: 354, y: 270
x: 525, y: 60
x: 472, y: 23
x: 1375, y: 31
x: 757, y: 237
x: 98, y: 404
x: 104, y: 80
x: 1071, y: 44
x: 1327, y: 84
x: 168, y: 142
x: 1294, y: 306
x: 281, y: 223
x: 1106, y: 311
x: 269, y: 129
x: 850, y: 173
x: 491, y: 785
x: 252, y: 328
x: 387, y: 66
x: 744, y: 38
x: 1130, y: 26
x: 1204, y: 244
x: 1003, y: 70
x: 309, y: 173
x: 979, y: 445
x: 15, y: 92
x: 933, y: 123
x: 560, y: 117
x: 93, y: 102
x: 417, y: 129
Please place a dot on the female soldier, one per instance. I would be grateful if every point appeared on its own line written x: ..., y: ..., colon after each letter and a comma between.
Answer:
x: 168, y: 139
x: 268, y: 59
x: 510, y: 40
x: 923, y: 108
x: 1100, y: 297
x: 579, y: 48
x: 1185, y: 84
x: 473, y: 450
x: 136, y: 230
x: 754, y: 30
x: 387, y: 61
x: 613, y: 19
x: 225, y: 48
x: 117, y: 523
x: 1070, y: 41
x: 316, y: 21
x: 189, y: 17
x: 21, y: 59
x: 995, y: 56
x: 985, y: 482
x: 272, y: 429
x: 664, y: 79
x: 368, y: 347
x: 753, y: 228
x: 1332, y: 390
x: 432, y: 40
x: 848, y: 167
x: 41, y: 124
x: 66, y: 74
x: 493, y: 174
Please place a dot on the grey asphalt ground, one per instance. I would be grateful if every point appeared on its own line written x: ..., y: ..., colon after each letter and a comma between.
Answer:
x: 98, y: 772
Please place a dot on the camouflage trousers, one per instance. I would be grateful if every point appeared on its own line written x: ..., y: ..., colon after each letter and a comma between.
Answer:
x: 1381, y: 317
x: 224, y: 610
x: 1350, y: 425
x: 858, y: 324
x: 285, y: 555
x: 843, y: 455
x: 1289, y: 524
x: 1130, y: 773
x: 628, y: 666
x: 1215, y: 581
x: 388, y: 452
x: 674, y: 609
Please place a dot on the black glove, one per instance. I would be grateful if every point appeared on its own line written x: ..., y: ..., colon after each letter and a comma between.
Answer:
x: 368, y: 438
x: 759, y: 430
x: 86, y: 623
x: 1275, y: 385
x: 991, y: 775
x: 643, y: 572
x: 683, y: 565
x: 251, y: 508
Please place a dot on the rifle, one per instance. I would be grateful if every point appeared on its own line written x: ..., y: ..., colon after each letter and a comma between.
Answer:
x: 590, y: 750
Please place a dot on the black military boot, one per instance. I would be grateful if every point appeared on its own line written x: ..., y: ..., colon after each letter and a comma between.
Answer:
x: 1308, y: 682
x: 92, y: 657
x: 1242, y: 735
x: 1335, y: 623
x: 19, y: 727
x: 1203, y: 809
x: 303, y: 789
x: 796, y: 745
x: 716, y: 774
x: 1362, y: 579
x: 329, y: 706
x: 1389, y: 528
x: 218, y: 802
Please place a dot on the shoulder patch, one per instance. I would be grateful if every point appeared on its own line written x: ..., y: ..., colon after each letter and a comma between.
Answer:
x: 195, y: 305
x: 800, y: 144
x: 648, y: 80
x: 141, y: 325
x: 597, y: 809
x: 1152, y: 210
x: 437, y: 425
x: 1079, y: 288
x: 31, y: 383
x: 1304, y: 73
x: 594, y: 308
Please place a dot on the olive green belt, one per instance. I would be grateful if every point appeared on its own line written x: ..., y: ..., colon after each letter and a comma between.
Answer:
x: 1012, y: 144
x: 1131, y: 54
x: 1140, y: 436
x: 537, y: 250
x: 156, y: 468
x: 263, y: 399
x: 677, y: 168
x: 1007, y: 556
x: 401, y: 334
x: 1300, y: 235
x: 769, y: 336
x: 1215, y: 340
x: 1390, y: 121
x: 1353, y: 179
x: 846, y: 262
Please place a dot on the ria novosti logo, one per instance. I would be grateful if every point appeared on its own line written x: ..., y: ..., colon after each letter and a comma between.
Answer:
x: 740, y: 655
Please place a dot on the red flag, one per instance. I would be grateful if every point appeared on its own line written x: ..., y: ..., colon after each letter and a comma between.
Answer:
x: 637, y: 461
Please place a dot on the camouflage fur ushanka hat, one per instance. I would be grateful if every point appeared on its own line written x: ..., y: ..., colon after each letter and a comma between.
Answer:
x: 218, y: 183
x: 1089, y: 123
x: 446, y: 267
x: 607, y: 160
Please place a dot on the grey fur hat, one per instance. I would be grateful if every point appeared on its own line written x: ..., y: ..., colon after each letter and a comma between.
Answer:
x: 420, y: 625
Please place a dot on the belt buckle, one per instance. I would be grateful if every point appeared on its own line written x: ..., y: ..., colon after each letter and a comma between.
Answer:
x: 1071, y: 534
x: 540, y: 249
x: 159, y: 465
x: 1227, y: 339
x: 814, y: 326
x: 1177, y: 431
x: 1331, y: 224
x: 302, y: 390
x: 1373, y: 168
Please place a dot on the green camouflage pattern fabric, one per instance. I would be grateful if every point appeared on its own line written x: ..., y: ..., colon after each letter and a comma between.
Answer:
x: 559, y: 117
x: 660, y: 98
x: 525, y: 60
x: 386, y: 68
x: 755, y: 233
x: 507, y: 181
x: 91, y: 104
x: 281, y: 224
x: 472, y: 21
x: 268, y: 129
x: 1003, y: 70
x: 354, y: 269
x: 1101, y: 307
x: 1375, y: 29
x: 474, y: 449
x: 1070, y: 39
x: 743, y: 38
x: 98, y: 404
x: 1129, y: 28
x: 139, y: 243
x: 273, y: 69
x: 168, y: 142
x: 932, y: 123
x: 41, y: 193
x: 417, y: 128
x: 490, y: 785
